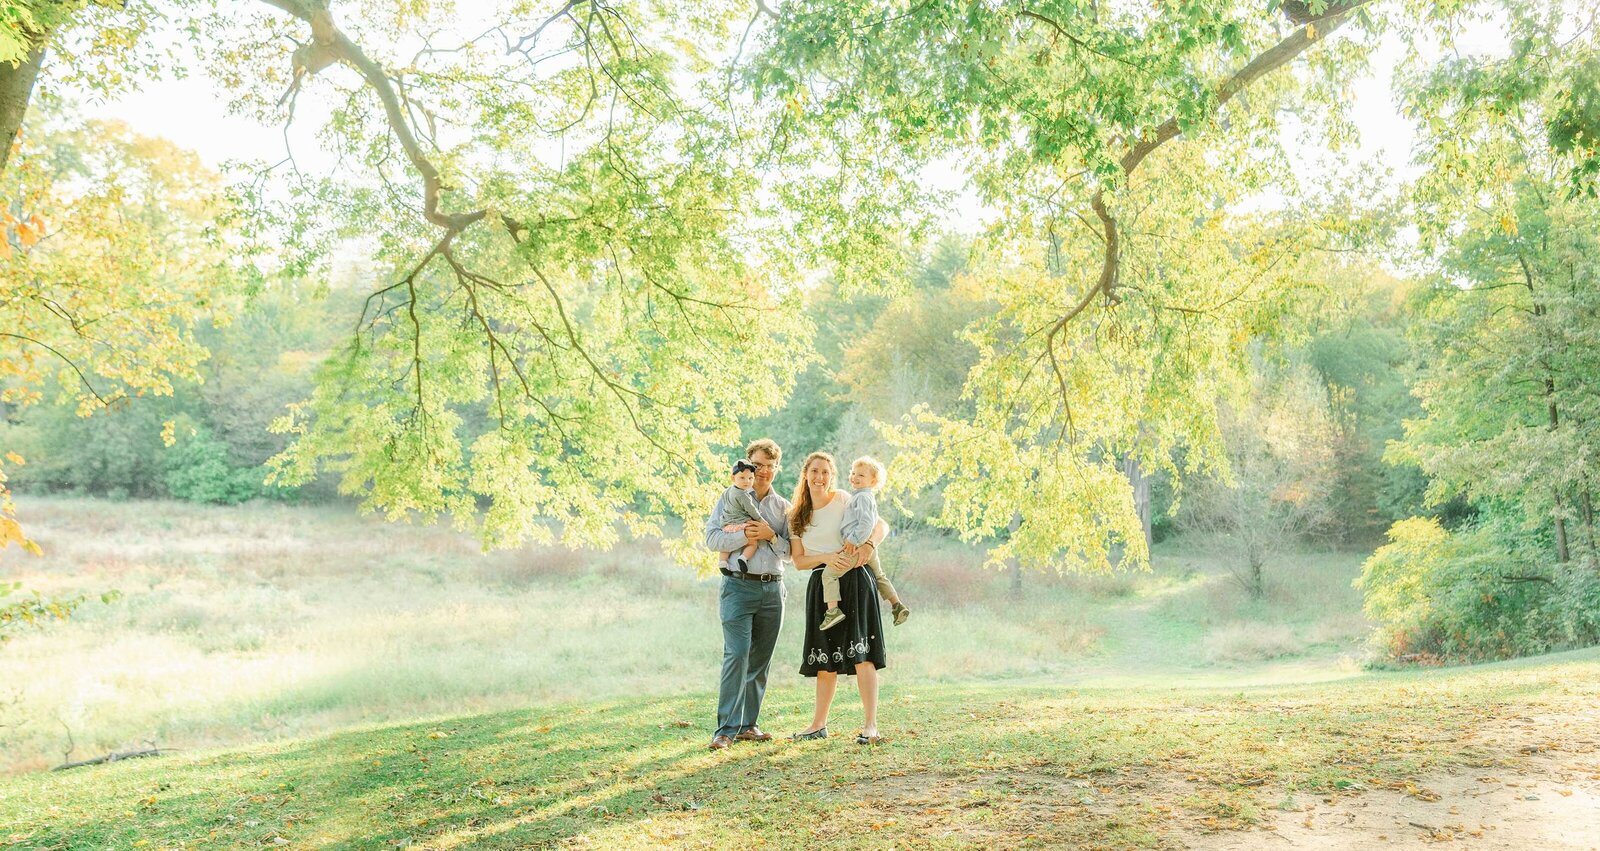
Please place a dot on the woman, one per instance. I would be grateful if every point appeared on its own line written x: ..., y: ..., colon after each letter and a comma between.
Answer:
x: 856, y: 645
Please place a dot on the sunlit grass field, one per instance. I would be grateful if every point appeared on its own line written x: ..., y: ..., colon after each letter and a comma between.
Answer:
x: 994, y: 765
x: 266, y: 622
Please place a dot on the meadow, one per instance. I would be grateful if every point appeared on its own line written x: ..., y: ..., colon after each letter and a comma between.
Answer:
x: 1494, y: 757
x: 267, y: 622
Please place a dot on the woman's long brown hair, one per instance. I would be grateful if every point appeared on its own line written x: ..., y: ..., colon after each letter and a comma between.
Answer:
x: 800, y: 509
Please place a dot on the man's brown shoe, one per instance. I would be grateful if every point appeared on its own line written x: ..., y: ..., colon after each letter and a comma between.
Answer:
x: 720, y: 743
x: 753, y: 734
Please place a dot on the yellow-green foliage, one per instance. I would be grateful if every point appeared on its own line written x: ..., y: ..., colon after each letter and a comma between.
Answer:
x: 113, y: 246
x: 16, y: 18
x: 1471, y: 594
x: 1396, y: 578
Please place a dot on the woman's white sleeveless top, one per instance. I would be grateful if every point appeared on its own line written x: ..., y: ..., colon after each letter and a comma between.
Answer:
x: 823, y: 535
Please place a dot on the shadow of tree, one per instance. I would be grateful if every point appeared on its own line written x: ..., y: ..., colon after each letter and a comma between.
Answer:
x: 517, y: 778
x: 969, y: 765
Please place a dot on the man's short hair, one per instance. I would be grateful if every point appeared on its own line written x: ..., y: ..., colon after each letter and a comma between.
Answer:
x: 767, y: 445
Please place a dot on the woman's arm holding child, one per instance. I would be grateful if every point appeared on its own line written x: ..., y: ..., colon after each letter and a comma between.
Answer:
x: 861, y: 555
x: 806, y: 561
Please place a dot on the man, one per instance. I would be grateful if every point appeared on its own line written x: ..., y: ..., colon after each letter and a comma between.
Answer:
x: 751, y: 604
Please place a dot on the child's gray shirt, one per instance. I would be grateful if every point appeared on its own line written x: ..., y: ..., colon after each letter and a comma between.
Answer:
x: 738, y: 506
x: 860, y: 517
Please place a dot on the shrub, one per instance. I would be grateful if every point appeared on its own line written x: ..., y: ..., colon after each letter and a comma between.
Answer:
x: 198, y: 469
x: 1473, y: 594
x: 114, y: 453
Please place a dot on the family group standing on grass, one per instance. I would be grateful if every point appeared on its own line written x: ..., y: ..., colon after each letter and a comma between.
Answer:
x: 827, y: 531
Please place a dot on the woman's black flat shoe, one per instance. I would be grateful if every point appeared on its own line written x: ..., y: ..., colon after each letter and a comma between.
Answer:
x: 821, y: 733
x: 864, y: 739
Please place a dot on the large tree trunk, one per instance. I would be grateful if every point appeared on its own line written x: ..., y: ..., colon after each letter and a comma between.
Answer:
x: 1141, y: 495
x: 1588, y: 525
x: 1256, y: 581
x: 16, y: 89
x: 1563, y: 552
x: 1016, y: 563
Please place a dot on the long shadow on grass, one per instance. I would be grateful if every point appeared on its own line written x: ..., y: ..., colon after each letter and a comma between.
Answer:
x: 520, y: 777
x: 536, y: 777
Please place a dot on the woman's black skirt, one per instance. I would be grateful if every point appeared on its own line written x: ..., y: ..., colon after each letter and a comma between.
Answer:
x: 859, y: 639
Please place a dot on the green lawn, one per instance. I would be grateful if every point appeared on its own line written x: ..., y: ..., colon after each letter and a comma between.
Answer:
x: 995, y: 764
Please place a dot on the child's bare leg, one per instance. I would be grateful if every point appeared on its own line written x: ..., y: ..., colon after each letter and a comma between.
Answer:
x: 743, y: 561
x: 731, y: 528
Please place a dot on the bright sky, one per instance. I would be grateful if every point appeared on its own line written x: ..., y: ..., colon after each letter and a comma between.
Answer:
x: 189, y: 113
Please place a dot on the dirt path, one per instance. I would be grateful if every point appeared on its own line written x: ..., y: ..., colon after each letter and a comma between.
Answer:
x: 1543, y: 794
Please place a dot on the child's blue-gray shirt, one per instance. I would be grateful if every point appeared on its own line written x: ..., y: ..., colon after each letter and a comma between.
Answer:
x: 860, y: 517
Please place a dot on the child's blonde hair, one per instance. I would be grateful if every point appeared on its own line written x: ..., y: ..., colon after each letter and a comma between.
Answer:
x: 880, y: 475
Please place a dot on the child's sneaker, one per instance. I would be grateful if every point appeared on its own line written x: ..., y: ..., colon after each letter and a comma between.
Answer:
x: 833, y: 618
x: 738, y: 563
x: 901, y: 613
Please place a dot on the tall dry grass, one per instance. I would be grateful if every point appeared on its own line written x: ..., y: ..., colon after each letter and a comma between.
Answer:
x: 266, y: 621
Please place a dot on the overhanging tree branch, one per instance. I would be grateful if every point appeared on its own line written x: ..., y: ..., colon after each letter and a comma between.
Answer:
x: 1062, y: 31
x: 68, y: 361
x: 330, y: 38
x: 1310, y: 28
